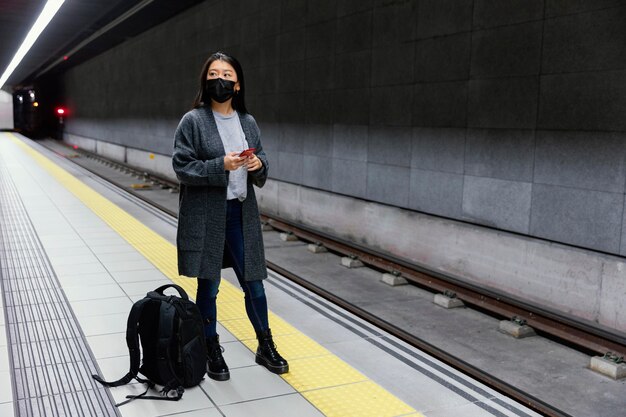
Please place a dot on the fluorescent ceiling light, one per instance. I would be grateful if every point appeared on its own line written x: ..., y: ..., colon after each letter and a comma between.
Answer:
x: 48, y: 12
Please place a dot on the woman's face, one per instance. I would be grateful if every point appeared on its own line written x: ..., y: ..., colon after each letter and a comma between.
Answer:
x: 222, y: 69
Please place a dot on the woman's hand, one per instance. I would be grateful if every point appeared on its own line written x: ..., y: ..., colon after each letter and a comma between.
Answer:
x: 232, y: 161
x: 253, y: 163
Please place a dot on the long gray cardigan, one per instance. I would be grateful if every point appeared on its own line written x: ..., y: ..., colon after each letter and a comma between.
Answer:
x: 198, y: 161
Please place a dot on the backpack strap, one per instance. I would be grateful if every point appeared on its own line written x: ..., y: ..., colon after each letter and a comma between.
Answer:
x: 182, y: 292
x: 132, y: 341
x: 165, y: 396
x: 166, y: 332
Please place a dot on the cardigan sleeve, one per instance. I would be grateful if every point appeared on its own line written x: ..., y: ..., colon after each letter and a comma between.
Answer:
x: 259, y: 176
x: 188, y: 168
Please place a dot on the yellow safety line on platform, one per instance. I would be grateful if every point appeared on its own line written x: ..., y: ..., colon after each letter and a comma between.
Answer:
x: 331, y: 385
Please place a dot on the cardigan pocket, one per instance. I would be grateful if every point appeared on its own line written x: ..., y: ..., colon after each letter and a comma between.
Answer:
x: 191, y: 232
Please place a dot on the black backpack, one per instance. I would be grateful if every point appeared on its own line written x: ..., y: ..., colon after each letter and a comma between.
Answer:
x: 172, y: 339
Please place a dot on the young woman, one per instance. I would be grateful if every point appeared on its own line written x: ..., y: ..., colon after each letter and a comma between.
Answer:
x: 218, y: 223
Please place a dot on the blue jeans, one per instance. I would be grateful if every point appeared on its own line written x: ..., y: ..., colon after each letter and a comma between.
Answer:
x: 255, y: 300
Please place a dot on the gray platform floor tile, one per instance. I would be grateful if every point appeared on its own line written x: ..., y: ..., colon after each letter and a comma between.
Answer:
x: 95, y: 325
x: 114, y: 367
x: 79, y: 269
x: 282, y: 406
x: 237, y: 355
x: 205, y: 412
x: 6, y: 394
x: 73, y: 259
x: 141, y: 288
x: 4, y: 359
x: 193, y: 399
x: 111, y: 248
x: 150, y: 274
x: 246, y: 384
x: 123, y: 266
x: 6, y: 409
x: 101, y: 307
x: 120, y: 257
x: 108, y: 345
x: 86, y: 279
x: 93, y: 292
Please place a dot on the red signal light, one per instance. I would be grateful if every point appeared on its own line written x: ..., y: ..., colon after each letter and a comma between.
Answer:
x: 60, y: 111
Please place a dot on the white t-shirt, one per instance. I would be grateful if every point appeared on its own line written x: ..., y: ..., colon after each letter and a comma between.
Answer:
x: 234, y: 140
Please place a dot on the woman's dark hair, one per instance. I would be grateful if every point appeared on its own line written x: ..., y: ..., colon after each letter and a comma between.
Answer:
x: 238, y: 102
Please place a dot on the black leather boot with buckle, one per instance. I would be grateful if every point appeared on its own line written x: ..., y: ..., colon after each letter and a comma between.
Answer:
x: 268, y: 356
x: 217, y: 368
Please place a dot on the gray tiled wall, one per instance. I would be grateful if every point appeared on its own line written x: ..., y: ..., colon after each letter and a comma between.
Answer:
x: 505, y: 114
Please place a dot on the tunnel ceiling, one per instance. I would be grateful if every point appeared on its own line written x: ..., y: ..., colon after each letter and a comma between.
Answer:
x: 75, y: 22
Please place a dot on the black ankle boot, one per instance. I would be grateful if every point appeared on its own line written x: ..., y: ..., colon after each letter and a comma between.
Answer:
x: 217, y: 368
x: 268, y: 356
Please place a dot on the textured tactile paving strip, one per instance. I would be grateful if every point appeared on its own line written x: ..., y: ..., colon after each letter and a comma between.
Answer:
x: 49, y: 357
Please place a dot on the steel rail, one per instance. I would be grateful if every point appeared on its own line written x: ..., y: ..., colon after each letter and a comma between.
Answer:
x: 577, y: 333
x: 499, y: 385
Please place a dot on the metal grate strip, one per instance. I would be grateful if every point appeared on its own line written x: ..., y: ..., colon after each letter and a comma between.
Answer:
x: 50, y: 359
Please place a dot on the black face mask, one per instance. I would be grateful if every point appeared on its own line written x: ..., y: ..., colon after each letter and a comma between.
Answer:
x: 219, y: 89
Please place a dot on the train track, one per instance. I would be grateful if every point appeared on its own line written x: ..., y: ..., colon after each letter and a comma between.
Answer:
x: 568, y: 330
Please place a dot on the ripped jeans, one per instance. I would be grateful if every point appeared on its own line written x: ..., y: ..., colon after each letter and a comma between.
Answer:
x: 255, y: 300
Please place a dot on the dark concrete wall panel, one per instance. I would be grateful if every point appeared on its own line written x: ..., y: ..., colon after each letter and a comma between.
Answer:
x: 623, y: 238
x: 507, y: 51
x: 500, y: 153
x: 289, y: 167
x: 443, y: 58
x: 389, y: 146
x: 292, y: 45
x: 586, y: 42
x: 564, y: 7
x: 354, y: 33
x: 292, y: 137
x: 317, y: 172
x: 349, y: 177
x: 578, y: 217
x: 392, y: 65
x: 429, y: 105
x: 320, y: 11
x: 293, y: 14
x: 393, y: 22
x: 440, y: 104
x: 436, y: 192
x: 388, y: 184
x: 350, y: 142
x: 438, y: 149
x: 320, y: 39
x: 320, y: 74
x: 589, y: 160
x: 490, y: 13
x: 443, y: 17
x: 497, y: 203
x: 583, y: 101
x: 322, y: 103
x: 503, y: 103
x: 390, y: 106
x: 318, y: 140
x: 352, y: 70
x: 351, y: 106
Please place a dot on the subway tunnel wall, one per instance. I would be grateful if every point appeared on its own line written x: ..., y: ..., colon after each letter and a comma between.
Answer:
x: 505, y: 115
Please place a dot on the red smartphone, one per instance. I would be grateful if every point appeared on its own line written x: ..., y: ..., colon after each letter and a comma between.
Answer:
x: 247, y: 152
